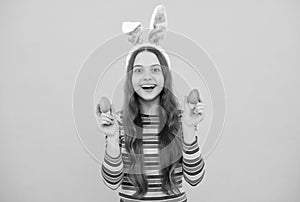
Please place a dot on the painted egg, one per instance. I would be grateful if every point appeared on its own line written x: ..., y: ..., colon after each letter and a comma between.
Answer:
x: 194, y: 97
x: 104, y: 104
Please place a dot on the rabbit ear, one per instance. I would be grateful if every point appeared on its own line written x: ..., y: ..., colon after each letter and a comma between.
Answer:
x: 134, y: 30
x: 158, y: 25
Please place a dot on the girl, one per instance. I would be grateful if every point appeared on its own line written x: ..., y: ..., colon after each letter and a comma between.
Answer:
x: 150, y: 144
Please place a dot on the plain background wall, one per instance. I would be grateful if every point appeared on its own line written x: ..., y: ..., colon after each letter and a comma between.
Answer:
x: 255, y: 45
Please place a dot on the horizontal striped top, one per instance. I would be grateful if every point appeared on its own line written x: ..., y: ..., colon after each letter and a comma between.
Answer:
x: 113, y: 170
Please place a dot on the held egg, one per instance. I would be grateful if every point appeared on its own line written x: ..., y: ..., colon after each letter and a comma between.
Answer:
x: 194, y: 97
x: 104, y: 104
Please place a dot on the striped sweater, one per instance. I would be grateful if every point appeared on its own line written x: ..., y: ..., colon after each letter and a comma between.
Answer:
x: 191, y: 168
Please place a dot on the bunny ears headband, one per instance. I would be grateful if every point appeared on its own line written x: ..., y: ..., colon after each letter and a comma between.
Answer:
x: 158, y: 28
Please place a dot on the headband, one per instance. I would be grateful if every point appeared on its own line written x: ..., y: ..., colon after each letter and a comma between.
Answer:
x: 158, y: 28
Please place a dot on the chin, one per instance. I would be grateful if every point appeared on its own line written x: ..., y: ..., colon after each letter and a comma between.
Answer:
x: 147, y: 96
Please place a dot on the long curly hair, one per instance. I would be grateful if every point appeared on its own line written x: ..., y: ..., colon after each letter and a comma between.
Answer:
x: 170, y: 138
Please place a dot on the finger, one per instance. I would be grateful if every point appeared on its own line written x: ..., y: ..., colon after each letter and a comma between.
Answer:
x: 198, y: 111
x: 98, y: 112
x: 106, y: 120
x: 186, y: 99
x: 186, y: 104
x: 113, y: 108
x: 199, y: 108
x: 200, y: 104
x: 107, y: 115
x: 195, y: 111
x: 194, y: 107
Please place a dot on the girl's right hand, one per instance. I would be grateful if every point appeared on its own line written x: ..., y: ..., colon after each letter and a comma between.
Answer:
x: 107, y: 122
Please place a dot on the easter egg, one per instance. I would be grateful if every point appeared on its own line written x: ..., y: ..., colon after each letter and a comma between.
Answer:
x: 104, y: 104
x: 194, y: 97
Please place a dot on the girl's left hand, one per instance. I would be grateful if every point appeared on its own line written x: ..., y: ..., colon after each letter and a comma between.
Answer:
x: 192, y: 116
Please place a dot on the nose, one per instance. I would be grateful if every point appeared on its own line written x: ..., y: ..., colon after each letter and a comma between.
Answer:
x: 148, y: 75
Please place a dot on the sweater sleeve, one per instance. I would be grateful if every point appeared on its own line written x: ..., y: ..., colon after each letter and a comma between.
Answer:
x: 112, y: 168
x: 193, y: 163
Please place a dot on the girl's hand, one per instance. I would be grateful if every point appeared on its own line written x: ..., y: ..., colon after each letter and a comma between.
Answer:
x: 192, y: 116
x: 107, y: 122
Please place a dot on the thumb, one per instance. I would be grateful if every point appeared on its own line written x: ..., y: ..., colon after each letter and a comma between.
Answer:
x: 185, y: 99
x: 113, y: 111
x: 185, y: 103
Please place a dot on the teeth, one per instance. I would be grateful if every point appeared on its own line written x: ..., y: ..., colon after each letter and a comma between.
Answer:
x: 148, y: 85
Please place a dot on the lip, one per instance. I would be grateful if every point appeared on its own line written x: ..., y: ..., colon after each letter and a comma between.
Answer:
x: 148, y: 84
x: 148, y: 90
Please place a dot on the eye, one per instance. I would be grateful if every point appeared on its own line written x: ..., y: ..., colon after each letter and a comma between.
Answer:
x: 156, y: 69
x: 137, y: 70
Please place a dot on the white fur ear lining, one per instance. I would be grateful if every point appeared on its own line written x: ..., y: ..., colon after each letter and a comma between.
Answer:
x: 158, y: 25
x: 158, y: 28
x: 159, y: 18
x: 128, y: 27
x: 134, y: 30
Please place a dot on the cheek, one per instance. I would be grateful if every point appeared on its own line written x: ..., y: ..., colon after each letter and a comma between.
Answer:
x: 134, y: 82
x: 161, y: 80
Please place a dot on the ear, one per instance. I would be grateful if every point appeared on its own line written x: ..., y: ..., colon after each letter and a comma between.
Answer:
x: 158, y: 25
x: 134, y: 30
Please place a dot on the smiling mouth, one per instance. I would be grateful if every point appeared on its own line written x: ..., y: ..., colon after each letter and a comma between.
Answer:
x: 148, y: 87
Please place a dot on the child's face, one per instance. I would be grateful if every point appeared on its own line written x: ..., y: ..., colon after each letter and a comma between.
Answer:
x: 147, y: 76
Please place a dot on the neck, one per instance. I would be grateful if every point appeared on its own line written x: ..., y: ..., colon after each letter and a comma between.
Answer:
x: 150, y: 107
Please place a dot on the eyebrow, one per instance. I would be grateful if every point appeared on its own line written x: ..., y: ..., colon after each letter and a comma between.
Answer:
x: 143, y: 66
